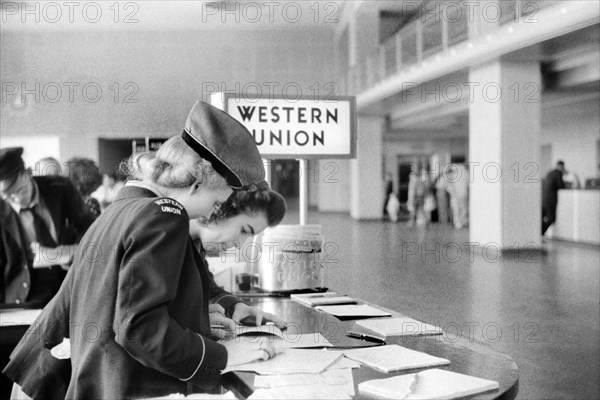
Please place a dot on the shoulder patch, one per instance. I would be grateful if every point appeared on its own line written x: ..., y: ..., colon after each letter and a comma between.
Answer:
x: 169, y: 206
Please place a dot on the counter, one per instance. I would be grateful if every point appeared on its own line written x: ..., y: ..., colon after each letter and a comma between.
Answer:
x: 578, y: 216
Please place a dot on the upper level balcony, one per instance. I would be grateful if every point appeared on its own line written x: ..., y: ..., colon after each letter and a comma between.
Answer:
x: 439, y: 30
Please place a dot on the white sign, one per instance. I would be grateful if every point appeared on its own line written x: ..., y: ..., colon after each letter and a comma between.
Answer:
x: 298, y: 128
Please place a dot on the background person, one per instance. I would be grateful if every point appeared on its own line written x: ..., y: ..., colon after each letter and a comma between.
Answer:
x: 42, y: 219
x: 86, y: 176
x: 550, y: 187
x: 418, y: 188
x: 388, y: 191
x: 107, y: 192
x: 48, y: 166
x: 457, y: 185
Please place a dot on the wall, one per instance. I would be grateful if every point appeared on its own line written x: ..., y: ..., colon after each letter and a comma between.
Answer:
x: 162, y: 72
x: 573, y: 131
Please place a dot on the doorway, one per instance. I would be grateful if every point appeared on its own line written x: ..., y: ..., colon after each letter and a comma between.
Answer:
x: 111, y: 152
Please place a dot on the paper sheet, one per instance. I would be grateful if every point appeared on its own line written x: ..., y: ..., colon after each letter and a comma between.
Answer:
x: 291, y: 361
x: 362, y: 310
x: 199, y: 396
x: 18, y: 316
x: 287, y: 339
x: 312, y: 392
x: 340, y: 379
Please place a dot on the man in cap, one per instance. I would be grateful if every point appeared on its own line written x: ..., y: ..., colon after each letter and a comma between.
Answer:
x: 41, y: 220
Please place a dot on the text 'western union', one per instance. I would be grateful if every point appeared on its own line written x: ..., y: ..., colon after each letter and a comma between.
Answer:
x: 286, y: 137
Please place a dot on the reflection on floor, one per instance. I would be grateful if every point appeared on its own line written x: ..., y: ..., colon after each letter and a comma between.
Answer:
x: 543, y: 310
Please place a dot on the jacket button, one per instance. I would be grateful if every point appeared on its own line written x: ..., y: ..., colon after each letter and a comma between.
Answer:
x: 18, y: 301
x: 25, y: 285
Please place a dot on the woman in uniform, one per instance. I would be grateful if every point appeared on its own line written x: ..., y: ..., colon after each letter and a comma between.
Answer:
x: 135, y: 302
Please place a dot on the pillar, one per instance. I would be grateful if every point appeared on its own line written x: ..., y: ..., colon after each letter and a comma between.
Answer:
x: 504, y: 137
x: 366, y: 170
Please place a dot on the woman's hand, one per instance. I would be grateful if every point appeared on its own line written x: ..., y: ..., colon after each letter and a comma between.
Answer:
x: 217, y: 318
x: 242, y: 311
x: 243, y: 351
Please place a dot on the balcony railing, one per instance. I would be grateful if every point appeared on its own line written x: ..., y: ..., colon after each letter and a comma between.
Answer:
x: 430, y: 35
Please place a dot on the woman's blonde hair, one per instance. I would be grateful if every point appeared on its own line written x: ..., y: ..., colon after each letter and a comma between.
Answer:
x: 174, y: 165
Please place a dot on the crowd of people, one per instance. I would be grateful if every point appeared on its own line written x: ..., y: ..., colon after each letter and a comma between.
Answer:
x: 445, y: 195
x: 131, y: 268
x: 448, y: 195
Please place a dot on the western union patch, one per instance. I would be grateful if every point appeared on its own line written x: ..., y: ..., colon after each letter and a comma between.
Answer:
x: 169, y: 202
x: 169, y: 209
x: 169, y: 206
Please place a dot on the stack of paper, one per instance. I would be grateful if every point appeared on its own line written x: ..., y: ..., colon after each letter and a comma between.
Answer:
x: 393, y: 358
x: 354, y: 311
x: 400, y: 326
x: 429, y: 384
x: 319, y: 299
x: 335, y: 382
x: 291, y: 361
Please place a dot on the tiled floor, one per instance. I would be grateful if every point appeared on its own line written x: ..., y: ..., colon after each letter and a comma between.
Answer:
x: 543, y: 310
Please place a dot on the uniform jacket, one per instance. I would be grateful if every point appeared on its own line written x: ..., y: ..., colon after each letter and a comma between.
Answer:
x: 552, y: 183
x: 71, y: 220
x: 136, y: 301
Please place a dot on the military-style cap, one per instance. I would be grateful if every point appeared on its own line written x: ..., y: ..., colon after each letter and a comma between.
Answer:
x: 10, y: 162
x: 220, y: 139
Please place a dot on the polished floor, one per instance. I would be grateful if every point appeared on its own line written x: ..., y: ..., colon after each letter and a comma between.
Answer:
x: 541, y: 309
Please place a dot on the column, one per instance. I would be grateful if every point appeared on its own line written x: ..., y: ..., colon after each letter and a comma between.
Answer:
x: 366, y: 179
x: 504, y: 137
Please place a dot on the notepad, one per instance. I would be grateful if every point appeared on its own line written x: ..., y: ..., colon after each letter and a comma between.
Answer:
x: 394, y: 358
x: 347, y: 311
x: 400, y: 326
x: 429, y: 384
x: 323, y: 299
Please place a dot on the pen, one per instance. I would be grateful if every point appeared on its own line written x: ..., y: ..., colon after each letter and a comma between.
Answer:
x: 363, y: 336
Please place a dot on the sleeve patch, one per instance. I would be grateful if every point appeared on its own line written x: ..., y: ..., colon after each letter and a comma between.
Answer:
x: 169, y: 206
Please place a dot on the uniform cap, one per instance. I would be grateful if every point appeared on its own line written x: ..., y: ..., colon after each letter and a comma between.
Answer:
x: 223, y: 141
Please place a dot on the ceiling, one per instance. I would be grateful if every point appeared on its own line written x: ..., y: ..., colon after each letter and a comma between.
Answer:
x: 160, y: 15
x: 570, y: 73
